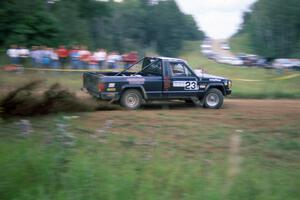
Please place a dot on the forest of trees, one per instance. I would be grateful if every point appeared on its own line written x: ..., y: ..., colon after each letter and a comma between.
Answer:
x: 273, y: 27
x: 125, y: 26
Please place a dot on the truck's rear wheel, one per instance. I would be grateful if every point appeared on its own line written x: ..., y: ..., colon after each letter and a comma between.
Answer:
x: 213, y: 99
x: 131, y: 99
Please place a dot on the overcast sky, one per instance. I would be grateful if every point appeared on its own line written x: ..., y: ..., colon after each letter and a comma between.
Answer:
x: 219, y: 19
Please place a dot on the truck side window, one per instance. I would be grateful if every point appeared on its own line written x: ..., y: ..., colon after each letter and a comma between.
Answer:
x: 155, y: 69
x: 179, y: 69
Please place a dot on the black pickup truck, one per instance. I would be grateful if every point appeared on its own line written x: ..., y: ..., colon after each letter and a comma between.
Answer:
x: 157, y: 78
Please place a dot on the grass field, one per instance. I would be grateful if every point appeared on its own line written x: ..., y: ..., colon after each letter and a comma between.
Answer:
x: 175, y: 153
x: 247, y: 150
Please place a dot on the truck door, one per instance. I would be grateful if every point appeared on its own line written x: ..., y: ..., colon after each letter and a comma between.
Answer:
x: 153, y: 80
x: 183, y: 83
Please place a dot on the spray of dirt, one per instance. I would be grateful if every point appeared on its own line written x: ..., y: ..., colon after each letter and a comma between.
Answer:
x: 28, y: 100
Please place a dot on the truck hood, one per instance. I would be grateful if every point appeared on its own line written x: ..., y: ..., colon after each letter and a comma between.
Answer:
x: 209, y: 76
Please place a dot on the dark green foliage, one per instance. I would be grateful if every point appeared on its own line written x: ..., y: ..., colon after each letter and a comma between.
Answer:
x: 274, y: 27
x: 130, y: 25
x: 168, y: 37
x: 73, y: 28
x: 27, y: 23
x: 191, y: 32
x: 168, y: 27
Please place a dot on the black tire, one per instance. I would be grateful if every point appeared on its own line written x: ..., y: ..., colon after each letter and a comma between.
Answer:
x: 213, y: 99
x: 131, y: 99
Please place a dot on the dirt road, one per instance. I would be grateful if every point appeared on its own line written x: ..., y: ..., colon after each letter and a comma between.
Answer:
x: 216, y: 47
x: 242, y: 113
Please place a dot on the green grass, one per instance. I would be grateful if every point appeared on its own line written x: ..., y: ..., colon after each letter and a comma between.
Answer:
x: 157, y: 154
x: 70, y: 80
x: 189, y: 160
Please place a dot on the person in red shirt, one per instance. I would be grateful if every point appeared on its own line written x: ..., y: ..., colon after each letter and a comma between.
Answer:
x: 130, y: 59
x: 84, y: 56
x: 63, y: 54
x: 93, y: 64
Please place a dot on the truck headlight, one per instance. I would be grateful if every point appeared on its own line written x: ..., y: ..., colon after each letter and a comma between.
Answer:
x: 229, y: 84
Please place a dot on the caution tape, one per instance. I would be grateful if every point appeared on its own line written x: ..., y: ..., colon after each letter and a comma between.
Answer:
x: 286, y: 77
x: 290, y: 76
x: 246, y: 80
x: 271, y: 79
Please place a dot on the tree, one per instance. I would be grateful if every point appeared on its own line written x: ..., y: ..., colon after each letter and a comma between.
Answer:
x: 274, y: 27
x: 27, y: 23
x: 129, y: 25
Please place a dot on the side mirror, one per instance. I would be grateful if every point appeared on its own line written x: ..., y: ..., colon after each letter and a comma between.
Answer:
x: 202, y: 70
x: 198, y: 72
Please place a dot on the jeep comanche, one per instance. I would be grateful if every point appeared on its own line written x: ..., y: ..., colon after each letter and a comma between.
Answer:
x: 157, y: 78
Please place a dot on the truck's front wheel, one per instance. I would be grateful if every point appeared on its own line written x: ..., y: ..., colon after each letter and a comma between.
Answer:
x: 213, y: 99
x: 131, y: 99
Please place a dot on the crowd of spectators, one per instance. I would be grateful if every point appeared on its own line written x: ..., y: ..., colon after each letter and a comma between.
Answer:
x: 78, y: 57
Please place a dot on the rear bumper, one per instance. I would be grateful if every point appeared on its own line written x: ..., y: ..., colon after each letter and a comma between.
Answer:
x: 109, y: 95
x: 103, y: 95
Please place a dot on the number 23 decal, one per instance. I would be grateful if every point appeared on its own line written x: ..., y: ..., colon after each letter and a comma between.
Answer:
x: 191, y: 85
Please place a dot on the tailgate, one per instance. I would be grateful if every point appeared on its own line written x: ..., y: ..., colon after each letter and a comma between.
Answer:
x: 90, y: 81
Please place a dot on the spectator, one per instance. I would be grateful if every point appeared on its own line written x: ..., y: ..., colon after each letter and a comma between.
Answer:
x: 93, y: 63
x: 23, y: 55
x: 112, y: 59
x: 84, y: 55
x: 13, y: 54
x: 118, y: 59
x: 63, y: 54
x: 80, y: 57
x: 46, y: 54
x: 74, y: 55
x: 39, y: 55
x: 34, y: 56
x: 54, y: 60
x: 130, y: 59
x: 100, y: 57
